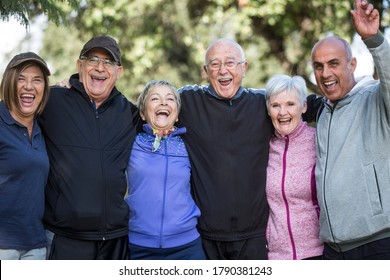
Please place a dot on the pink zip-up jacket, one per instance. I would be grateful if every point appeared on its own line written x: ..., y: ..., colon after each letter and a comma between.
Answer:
x: 293, y: 226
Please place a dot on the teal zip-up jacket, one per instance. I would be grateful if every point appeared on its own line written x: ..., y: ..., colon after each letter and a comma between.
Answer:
x: 353, y: 159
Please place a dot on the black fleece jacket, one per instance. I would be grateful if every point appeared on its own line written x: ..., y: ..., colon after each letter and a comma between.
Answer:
x: 88, y: 150
x: 228, y: 144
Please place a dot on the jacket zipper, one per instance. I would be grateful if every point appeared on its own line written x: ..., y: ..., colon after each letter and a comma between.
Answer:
x: 104, y: 201
x: 164, y: 194
x: 324, y: 176
x: 294, y: 251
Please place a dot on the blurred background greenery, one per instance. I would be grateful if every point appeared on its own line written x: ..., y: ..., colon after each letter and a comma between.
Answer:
x: 167, y: 39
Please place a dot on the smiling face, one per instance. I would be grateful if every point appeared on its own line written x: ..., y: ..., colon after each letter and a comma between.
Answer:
x: 285, y: 110
x: 225, y: 82
x: 160, y: 108
x: 333, y: 68
x: 30, y: 91
x: 98, y: 80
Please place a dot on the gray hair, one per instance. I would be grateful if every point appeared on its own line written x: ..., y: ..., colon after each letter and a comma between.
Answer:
x: 280, y: 83
x: 152, y: 84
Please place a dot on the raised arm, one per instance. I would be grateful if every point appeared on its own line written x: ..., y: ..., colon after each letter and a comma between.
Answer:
x: 366, y: 19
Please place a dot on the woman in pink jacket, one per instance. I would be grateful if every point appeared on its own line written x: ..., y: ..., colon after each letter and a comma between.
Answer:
x: 293, y: 227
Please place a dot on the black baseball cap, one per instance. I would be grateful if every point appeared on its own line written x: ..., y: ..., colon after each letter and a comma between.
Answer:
x: 28, y: 56
x: 103, y: 42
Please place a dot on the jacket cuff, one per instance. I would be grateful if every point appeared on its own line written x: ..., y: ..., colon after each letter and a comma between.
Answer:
x: 375, y: 41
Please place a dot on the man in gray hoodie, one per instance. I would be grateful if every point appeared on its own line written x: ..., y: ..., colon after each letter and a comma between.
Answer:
x: 353, y: 147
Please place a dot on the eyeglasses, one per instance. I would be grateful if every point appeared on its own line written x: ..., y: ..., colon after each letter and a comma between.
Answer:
x: 94, y: 61
x: 216, y: 65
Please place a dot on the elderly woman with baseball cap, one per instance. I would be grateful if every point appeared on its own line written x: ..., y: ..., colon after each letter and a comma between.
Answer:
x: 24, y: 164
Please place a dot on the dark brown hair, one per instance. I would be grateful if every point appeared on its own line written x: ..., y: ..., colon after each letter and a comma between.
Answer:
x: 9, y: 87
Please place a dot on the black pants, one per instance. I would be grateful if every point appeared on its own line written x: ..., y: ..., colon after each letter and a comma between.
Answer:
x: 64, y: 248
x: 246, y: 249
x: 376, y: 250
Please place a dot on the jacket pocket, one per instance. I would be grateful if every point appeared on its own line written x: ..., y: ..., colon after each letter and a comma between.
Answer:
x: 377, y: 179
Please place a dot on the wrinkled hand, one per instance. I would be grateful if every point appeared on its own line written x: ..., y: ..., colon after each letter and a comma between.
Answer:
x: 365, y: 18
x: 64, y: 83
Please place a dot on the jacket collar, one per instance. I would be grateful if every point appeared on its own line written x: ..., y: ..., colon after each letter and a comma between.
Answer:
x: 295, y: 133
x: 213, y: 93
x: 361, y: 82
x: 149, y: 130
x: 75, y: 82
x: 6, y: 116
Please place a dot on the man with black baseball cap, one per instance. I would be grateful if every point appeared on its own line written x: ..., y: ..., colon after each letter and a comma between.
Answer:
x: 89, y: 130
x: 103, y: 42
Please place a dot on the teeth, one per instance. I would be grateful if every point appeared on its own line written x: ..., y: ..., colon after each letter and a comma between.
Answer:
x: 329, y: 83
x: 26, y: 95
x: 98, y: 78
x: 163, y: 112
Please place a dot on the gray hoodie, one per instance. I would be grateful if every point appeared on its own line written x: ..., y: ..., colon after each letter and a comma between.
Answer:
x: 353, y: 159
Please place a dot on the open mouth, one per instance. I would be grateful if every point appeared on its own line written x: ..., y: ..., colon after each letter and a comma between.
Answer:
x: 98, y: 79
x: 225, y: 82
x: 330, y: 85
x: 163, y: 112
x: 284, y: 121
x: 27, y: 99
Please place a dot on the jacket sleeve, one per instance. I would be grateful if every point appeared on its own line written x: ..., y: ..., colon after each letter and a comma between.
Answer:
x: 380, y: 50
x: 315, y: 105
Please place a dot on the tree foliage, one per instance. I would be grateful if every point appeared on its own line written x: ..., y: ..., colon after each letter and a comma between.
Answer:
x: 25, y: 10
x: 167, y: 39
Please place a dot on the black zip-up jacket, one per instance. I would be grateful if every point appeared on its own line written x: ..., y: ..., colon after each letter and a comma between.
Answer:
x: 88, y: 150
x: 228, y: 145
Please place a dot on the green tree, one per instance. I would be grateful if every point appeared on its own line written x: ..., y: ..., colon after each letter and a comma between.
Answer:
x: 167, y: 39
x: 25, y: 10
